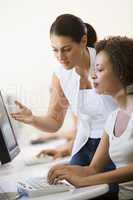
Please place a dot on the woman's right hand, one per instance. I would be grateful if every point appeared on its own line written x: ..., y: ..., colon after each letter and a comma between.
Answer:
x: 24, y: 115
x: 74, y: 174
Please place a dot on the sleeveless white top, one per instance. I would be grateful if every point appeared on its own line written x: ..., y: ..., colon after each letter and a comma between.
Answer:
x: 121, y: 151
x: 91, y: 108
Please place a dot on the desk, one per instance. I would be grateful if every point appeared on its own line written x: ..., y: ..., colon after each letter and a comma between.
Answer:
x: 17, y: 170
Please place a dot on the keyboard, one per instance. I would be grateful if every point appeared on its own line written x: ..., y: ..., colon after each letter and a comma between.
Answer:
x: 38, y: 160
x: 38, y: 186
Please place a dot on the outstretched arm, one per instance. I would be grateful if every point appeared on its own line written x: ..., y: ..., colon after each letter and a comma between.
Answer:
x: 56, y: 112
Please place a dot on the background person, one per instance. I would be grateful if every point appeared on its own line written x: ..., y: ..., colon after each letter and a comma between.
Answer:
x: 64, y: 150
x: 68, y: 135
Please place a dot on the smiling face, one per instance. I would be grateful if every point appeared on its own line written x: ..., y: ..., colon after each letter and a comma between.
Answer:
x: 66, y: 51
x: 104, y: 78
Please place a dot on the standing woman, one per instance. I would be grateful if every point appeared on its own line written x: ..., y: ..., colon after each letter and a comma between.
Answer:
x: 72, y: 42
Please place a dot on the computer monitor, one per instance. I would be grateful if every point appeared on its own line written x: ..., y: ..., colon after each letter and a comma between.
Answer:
x: 8, y: 144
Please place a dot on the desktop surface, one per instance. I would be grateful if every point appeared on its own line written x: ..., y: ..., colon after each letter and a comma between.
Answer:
x: 75, y: 194
x: 16, y: 171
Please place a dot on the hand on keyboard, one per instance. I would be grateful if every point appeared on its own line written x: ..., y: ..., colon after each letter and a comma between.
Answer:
x: 38, y: 186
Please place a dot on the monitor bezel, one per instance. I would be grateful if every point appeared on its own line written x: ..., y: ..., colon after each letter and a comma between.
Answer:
x: 6, y: 154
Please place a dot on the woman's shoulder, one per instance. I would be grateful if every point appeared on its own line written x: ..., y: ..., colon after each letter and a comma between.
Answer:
x: 111, y: 121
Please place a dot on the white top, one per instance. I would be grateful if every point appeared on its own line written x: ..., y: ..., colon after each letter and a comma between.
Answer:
x: 121, y: 151
x: 92, y: 109
x: 70, y: 80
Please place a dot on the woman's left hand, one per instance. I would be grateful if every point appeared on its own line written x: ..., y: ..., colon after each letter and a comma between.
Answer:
x: 60, y: 172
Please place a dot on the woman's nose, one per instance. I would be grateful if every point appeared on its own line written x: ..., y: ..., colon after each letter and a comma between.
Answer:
x: 60, y: 55
x: 93, y: 75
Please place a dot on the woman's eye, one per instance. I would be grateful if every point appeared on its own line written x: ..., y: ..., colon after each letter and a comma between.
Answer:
x: 67, y: 50
x: 55, y: 50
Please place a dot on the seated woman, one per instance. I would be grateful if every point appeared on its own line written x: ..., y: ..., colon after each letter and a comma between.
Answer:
x: 113, y: 76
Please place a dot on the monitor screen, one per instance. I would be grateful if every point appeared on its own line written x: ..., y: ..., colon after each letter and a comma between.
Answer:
x: 8, y: 143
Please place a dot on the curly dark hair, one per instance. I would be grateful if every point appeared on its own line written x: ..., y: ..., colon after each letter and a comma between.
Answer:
x: 120, y: 51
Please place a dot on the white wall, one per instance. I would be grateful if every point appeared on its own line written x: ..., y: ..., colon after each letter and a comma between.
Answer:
x: 26, y: 59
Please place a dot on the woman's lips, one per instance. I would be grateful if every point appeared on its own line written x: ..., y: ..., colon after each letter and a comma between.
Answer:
x: 95, y: 85
x: 64, y: 62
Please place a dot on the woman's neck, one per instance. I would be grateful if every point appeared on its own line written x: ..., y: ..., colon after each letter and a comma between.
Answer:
x: 83, y: 66
x: 124, y: 101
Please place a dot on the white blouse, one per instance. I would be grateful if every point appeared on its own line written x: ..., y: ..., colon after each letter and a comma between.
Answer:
x: 121, y: 151
x: 92, y: 109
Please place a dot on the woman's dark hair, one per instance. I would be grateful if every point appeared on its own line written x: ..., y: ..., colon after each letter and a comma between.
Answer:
x: 71, y: 26
x: 120, y: 51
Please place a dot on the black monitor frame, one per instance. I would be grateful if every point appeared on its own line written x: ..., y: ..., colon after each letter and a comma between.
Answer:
x: 6, y: 153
